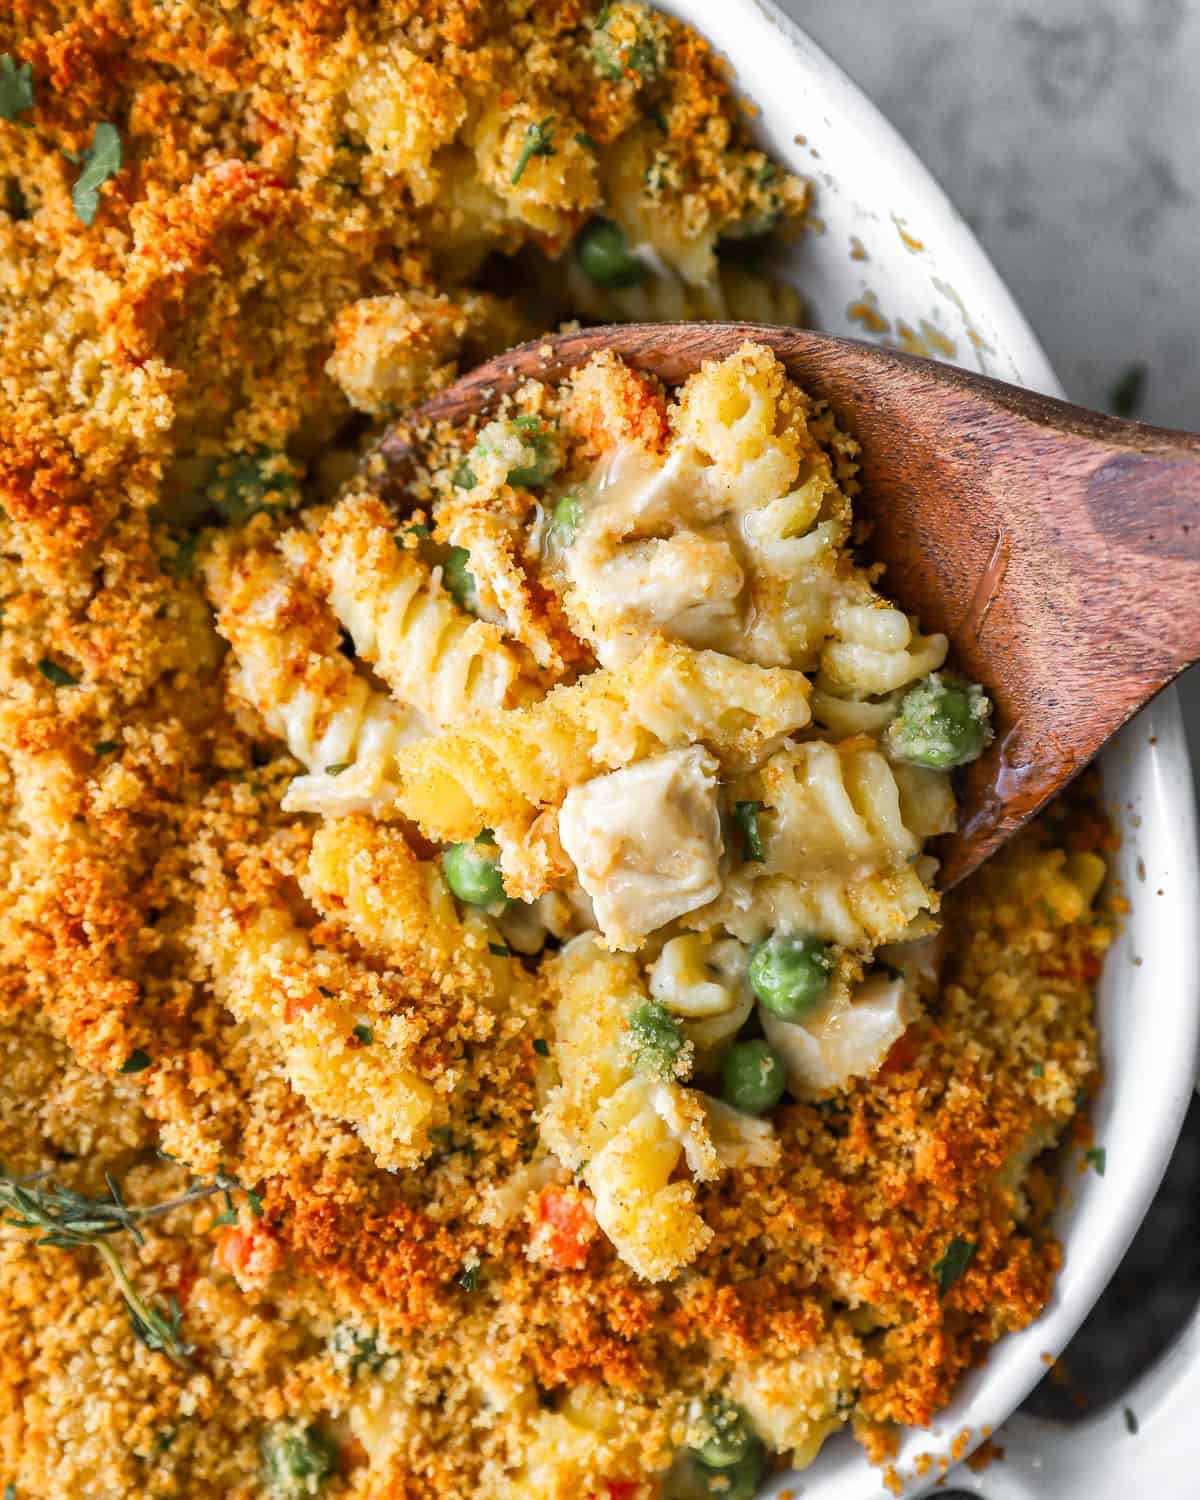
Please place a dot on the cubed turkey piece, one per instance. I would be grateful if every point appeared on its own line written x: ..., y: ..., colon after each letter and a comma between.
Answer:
x: 646, y: 842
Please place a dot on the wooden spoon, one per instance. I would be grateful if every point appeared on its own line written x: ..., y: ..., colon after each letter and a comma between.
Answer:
x: 1058, y: 549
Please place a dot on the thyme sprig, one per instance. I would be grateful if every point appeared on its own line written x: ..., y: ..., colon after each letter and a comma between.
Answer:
x: 73, y: 1221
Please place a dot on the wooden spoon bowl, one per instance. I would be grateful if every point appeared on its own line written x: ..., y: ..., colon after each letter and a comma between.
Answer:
x: 1058, y: 549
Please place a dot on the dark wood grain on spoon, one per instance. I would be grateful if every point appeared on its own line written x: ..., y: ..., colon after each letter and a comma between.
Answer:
x: 1057, y: 548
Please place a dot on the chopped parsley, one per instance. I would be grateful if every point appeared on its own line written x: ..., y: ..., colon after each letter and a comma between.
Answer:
x: 137, y: 1061
x: 588, y: 142
x: 745, y: 815
x: 468, y: 1277
x: 101, y: 161
x: 338, y: 767
x: 954, y: 1261
x: 358, y: 1347
x: 541, y: 1046
x: 1097, y: 1157
x: 59, y: 676
x: 106, y: 747
x: 614, y: 59
x: 417, y: 529
x: 364, y: 1034
x: 16, y: 87
x: 539, y: 141
x: 1038, y: 1070
x: 464, y: 477
x: 1131, y: 1421
x: 499, y: 950
x: 326, y: 992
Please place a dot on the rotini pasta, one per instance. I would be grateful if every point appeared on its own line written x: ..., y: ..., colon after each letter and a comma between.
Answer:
x: 366, y: 877
x: 287, y: 667
x: 796, y: 1403
x: 624, y: 1133
x: 263, y: 970
x: 839, y: 861
x: 875, y: 650
x: 499, y: 773
x: 448, y: 666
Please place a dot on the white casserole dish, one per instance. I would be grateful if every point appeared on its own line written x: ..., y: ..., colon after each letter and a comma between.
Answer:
x: 893, y: 248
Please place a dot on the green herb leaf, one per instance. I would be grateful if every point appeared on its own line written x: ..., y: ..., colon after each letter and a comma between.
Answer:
x: 364, y: 1033
x: 468, y: 1277
x: 1131, y: 1421
x: 59, y: 676
x: 10, y: 1492
x: 226, y: 1216
x: 589, y: 143
x: 106, y: 747
x: 745, y: 815
x: 1097, y: 1157
x: 499, y: 950
x: 539, y: 138
x: 359, y: 1347
x: 419, y: 530
x: 327, y: 993
x: 338, y: 767
x: 101, y: 161
x: 68, y: 1220
x: 16, y: 87
x: 954, y: 1262
x: 1038, y: 1070
x: 541, y: 1046
x: 464, y: 477
x: 137, y: 1061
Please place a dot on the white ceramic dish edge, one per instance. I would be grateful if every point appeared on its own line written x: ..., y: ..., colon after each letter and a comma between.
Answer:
x: 917, y: 268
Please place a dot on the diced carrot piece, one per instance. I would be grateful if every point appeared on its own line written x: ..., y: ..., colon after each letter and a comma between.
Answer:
x: 563, y: 1228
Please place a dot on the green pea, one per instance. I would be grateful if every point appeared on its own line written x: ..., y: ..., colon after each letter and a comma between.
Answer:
x: 603, y: 255
x: 566, y: 518
x: 726, y: 1436
x: 544, y: 463
x: 472, y: 872
x: 943, y: 722
x: 297, y: 1460
x: 459, y: 580
x: 752, y: 1077
x: 691, y: 1479
x: 356, y: 1349
x: 790, y: 975
x: 656, y: 1038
